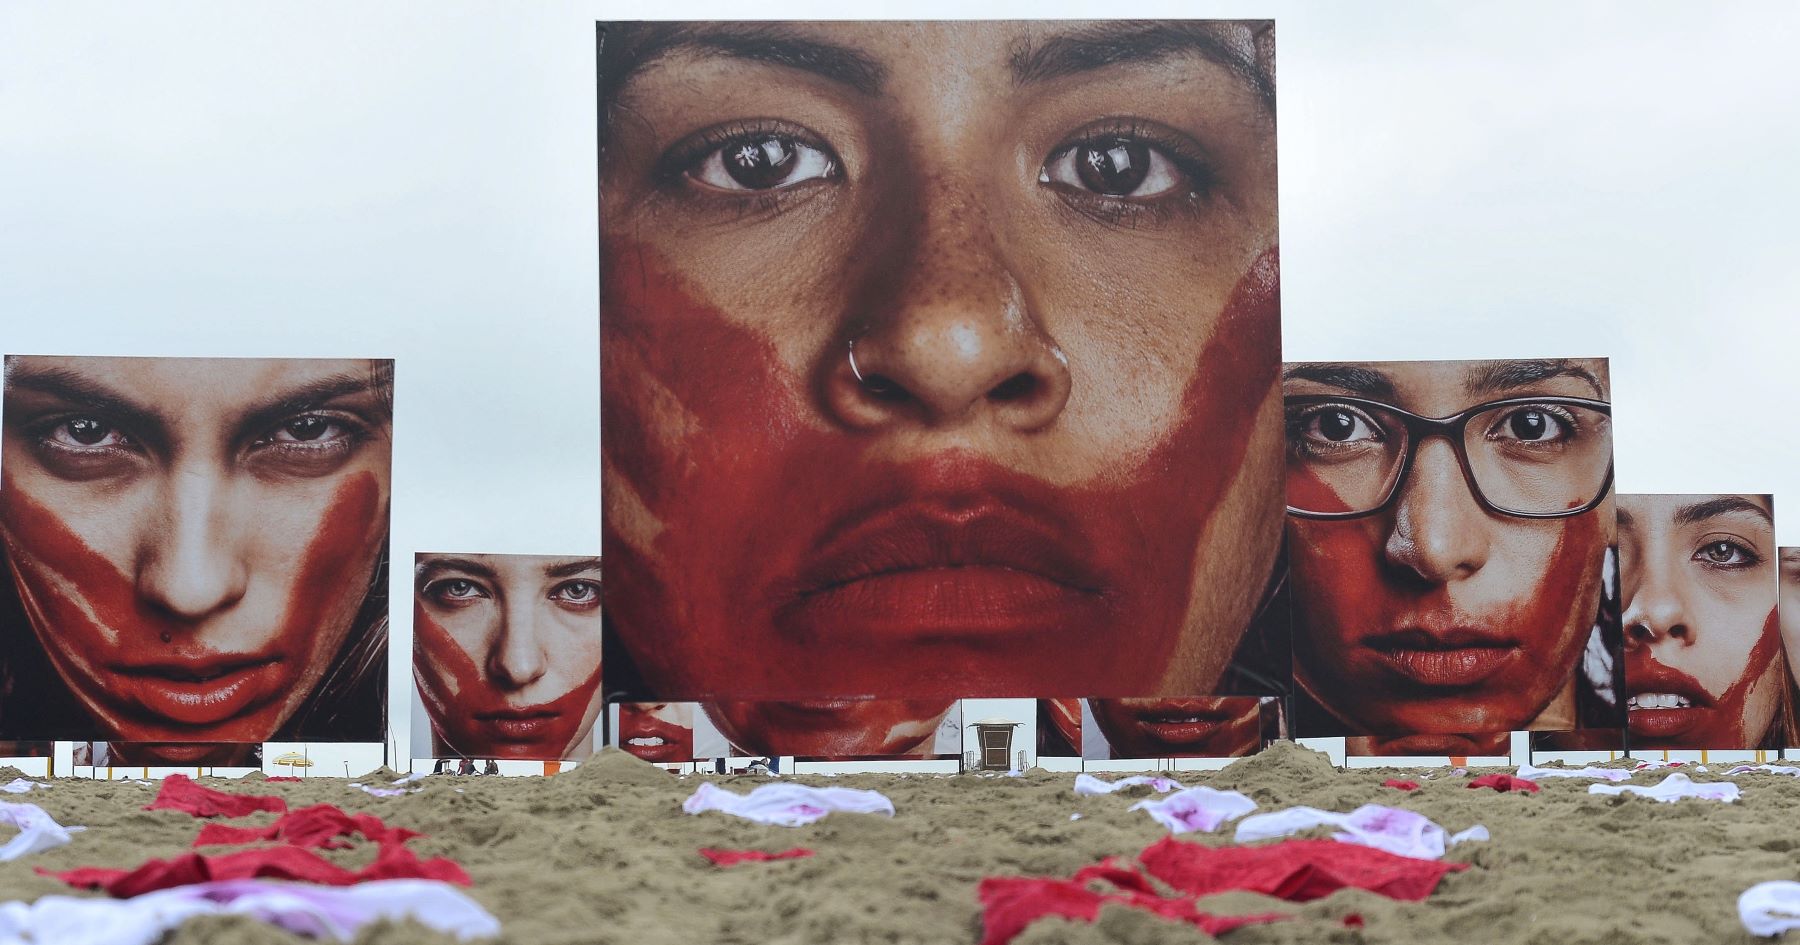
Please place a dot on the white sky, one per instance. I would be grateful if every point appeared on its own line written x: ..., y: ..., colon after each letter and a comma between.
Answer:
x: 416, y: 181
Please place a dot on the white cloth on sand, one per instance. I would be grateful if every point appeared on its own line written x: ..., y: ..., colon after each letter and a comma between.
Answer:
x: 1673, y: 788
x: 1788, y: 770
x: 787, y: 805
x: 38, y: 831
x: 1770, y: 908
x: 1396, y: 830
x: 1196, y: 808
x: 21, y: 786
x: 333, y: 913
x: 1087, y: 785
x: 1535, y: 773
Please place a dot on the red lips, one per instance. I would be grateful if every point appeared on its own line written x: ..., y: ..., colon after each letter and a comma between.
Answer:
x: 677, y: 742
x: 1453, y: 657
x: 961, y: 564
x: 202, y: 691
x: 1643, y: 674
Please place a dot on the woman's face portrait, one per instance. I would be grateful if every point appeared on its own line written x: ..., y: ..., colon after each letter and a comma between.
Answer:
x: 938, y: 358
x: 836, y: 728
x: 506, y: 653
x: 1213, y: 727
x: 659, y: 732
x: 1703, y: 657
x: 1447, y: 528
x: 191, y: 541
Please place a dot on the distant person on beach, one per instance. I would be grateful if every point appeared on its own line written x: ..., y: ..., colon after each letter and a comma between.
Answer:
x: 506, y: 653
x: 1704, y: 666
x: 1449, y: 525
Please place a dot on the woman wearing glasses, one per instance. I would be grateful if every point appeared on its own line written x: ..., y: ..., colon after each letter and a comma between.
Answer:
x: 1448, y: 525
x: 1703, y: 653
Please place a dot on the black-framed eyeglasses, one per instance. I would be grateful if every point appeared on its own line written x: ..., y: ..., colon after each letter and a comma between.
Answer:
x: 1530, y: 457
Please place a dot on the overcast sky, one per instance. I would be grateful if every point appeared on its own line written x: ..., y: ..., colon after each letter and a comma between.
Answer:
x: 416, y: 181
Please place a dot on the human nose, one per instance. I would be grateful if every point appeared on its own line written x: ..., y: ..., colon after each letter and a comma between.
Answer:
x: 947, y: 335
x: 192, y: 566
x: 1440, y: 533
x: 1656, y: 609
x: 517, y: 658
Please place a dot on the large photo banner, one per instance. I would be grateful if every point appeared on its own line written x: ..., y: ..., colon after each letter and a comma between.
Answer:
x: 195, y: 550
x: 507, y: 656
x: 1449, y: 533
x: 1212, y: 727
x: 1704, y: 663
x: 939, y: 360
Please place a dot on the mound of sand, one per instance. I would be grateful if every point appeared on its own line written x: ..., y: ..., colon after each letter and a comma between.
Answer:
x: 611, y: 768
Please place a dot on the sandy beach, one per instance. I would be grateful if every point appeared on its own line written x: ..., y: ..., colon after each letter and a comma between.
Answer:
x: 604, y: 854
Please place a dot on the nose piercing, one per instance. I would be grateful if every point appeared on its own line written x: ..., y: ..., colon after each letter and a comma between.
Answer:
x: 874, y: 383
x: 854, y: 370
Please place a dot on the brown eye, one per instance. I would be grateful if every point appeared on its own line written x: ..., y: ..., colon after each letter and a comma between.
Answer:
x: 763, y: 162
x: 1117, y: 167
x: 87, y: 432
x: 307, y: 428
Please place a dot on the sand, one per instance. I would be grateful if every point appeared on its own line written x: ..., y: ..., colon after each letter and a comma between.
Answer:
x: 604, y: 854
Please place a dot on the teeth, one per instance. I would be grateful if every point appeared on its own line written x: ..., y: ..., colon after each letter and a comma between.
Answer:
x: 1658, y: 700
x: 646, y: 741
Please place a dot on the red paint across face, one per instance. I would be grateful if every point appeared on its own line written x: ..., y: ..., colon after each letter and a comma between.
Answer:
x: 150, y: 684
x: 658, y: 740
x: 789, y: 563
x: 1347, y: 594
x: 1215, y: 727
x: 1722, y: 725
x: 846, y: 728
x: 475, y: 718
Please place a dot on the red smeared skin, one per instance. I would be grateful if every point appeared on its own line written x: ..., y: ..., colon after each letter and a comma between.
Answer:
x: 862, y: 728
x: 1721, y: 726
x: 759, y: 474
x: 636, y: 721
x: 1371, y: 699
x: 39, y: 542
x: 455, y: 690
x: 1132, y: 729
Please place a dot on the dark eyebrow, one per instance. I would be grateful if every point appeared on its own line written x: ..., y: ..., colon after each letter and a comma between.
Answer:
x: 1361, y: 381
x: 1698, y: 512
x: 572, y: 568
x: 1493, y: 377
x: 312, y: 396
x: 1100, y: 45
x: 432, y: 564
x: 771, y: 43
x: 85, y: 392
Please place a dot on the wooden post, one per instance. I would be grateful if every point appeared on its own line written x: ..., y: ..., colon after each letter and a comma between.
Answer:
x: 552, y: 767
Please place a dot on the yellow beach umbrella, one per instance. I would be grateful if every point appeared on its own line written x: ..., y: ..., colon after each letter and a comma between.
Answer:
x: 294, y: 759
